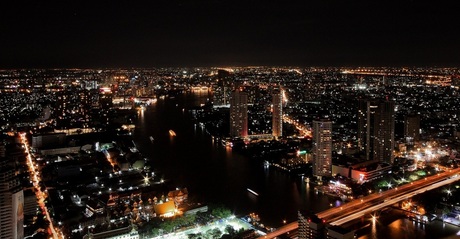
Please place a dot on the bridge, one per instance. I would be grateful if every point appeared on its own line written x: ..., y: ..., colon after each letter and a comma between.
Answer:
x: 359, y: 207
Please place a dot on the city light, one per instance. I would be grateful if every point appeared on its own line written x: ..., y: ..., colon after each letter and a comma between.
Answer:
x: 426, y: 161
x: 41, y: 195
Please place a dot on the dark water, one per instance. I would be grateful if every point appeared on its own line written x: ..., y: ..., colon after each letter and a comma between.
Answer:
x: 406, y: 229
x: 214, y: 174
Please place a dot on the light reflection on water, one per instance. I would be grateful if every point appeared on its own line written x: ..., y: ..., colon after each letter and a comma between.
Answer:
x: 374, y: 230
x: 404, y: 228
x: 213, y: 173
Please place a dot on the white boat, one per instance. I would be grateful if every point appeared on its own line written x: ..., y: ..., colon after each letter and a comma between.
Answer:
x: 266, y: 164
x: 251, y: 191
x: 151, y: 139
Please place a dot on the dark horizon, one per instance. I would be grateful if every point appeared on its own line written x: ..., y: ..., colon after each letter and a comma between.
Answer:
x: 191, y: 33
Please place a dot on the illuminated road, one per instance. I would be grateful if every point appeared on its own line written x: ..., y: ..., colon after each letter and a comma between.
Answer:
x: 391, y: 201
x: 304, y: 131
x: 354, y: 206
x: 282, y: 230
x: 41, y: 196
x: 359, y: 207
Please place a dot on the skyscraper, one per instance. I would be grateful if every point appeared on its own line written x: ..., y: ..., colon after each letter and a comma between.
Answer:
x: 376, y: 124
x: 322, y: 147
x: 239, y: 114
x: 105, y: 98
x: 221, y: 91
x: 277, y: 114
x: 11, y: 196
x: 412, y: 128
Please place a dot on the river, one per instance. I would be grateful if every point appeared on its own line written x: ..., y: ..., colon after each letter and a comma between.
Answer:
x: 215, y: 174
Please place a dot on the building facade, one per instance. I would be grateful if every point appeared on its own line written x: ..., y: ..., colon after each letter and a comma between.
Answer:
x: 11, y: 198
x: 222, y: 88
x: 376, y: 124
x: 239, y: 114
x: 310, y: 227
x: 277, y: 114
x: 412, y: 128
x: 322, y: 147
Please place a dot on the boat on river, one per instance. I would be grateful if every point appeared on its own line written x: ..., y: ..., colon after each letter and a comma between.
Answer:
x: 251, y: 191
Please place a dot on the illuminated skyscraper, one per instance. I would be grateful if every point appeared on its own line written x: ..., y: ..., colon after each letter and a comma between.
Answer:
x: 239, y: 114
x: 277, y: 114
x: 322, y: 147
x: 376, y: 125
x: 11, y: 195
x: 412, y: 128
x: 222, y: 88
x: 105, y: 98
x: 105, y: 104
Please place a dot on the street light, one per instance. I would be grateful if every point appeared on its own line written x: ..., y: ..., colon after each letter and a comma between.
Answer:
x: 389, y: 185
x: 374, y: 218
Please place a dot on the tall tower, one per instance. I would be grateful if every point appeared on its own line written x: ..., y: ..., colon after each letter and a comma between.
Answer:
x: 376, y: 125
x: 11, y: 197
x: 322, y: 147
x: 239, y: 114
x: 105, y: 98
x: 221, y: 92
x: 277, y: 114
x: 412, y: 128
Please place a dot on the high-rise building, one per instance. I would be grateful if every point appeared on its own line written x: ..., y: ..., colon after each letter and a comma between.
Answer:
x: 277, y: 114
x: 239, y: 114
x: 11, y: 197
x: 412, y: 128
x: 376, y: 125
x: 222, y: 88
x: 322, y: 147
x: 105, y: 98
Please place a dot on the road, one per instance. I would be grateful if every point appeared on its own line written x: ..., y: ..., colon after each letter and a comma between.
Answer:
x: 360, y: 207
x: 304, y: 131
x: 41, y: 196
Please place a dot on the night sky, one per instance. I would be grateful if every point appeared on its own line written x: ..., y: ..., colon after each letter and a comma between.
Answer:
x: 159, y: 33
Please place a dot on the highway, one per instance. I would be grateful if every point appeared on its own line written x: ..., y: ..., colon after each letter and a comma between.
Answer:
x: 361, y: 206
x: 371, y: 200
x: 282, y: 230
x: 391, y: 201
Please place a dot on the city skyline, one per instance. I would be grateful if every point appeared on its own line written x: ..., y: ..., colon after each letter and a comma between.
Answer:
x: 53, y: 34
x: 118, y: 151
